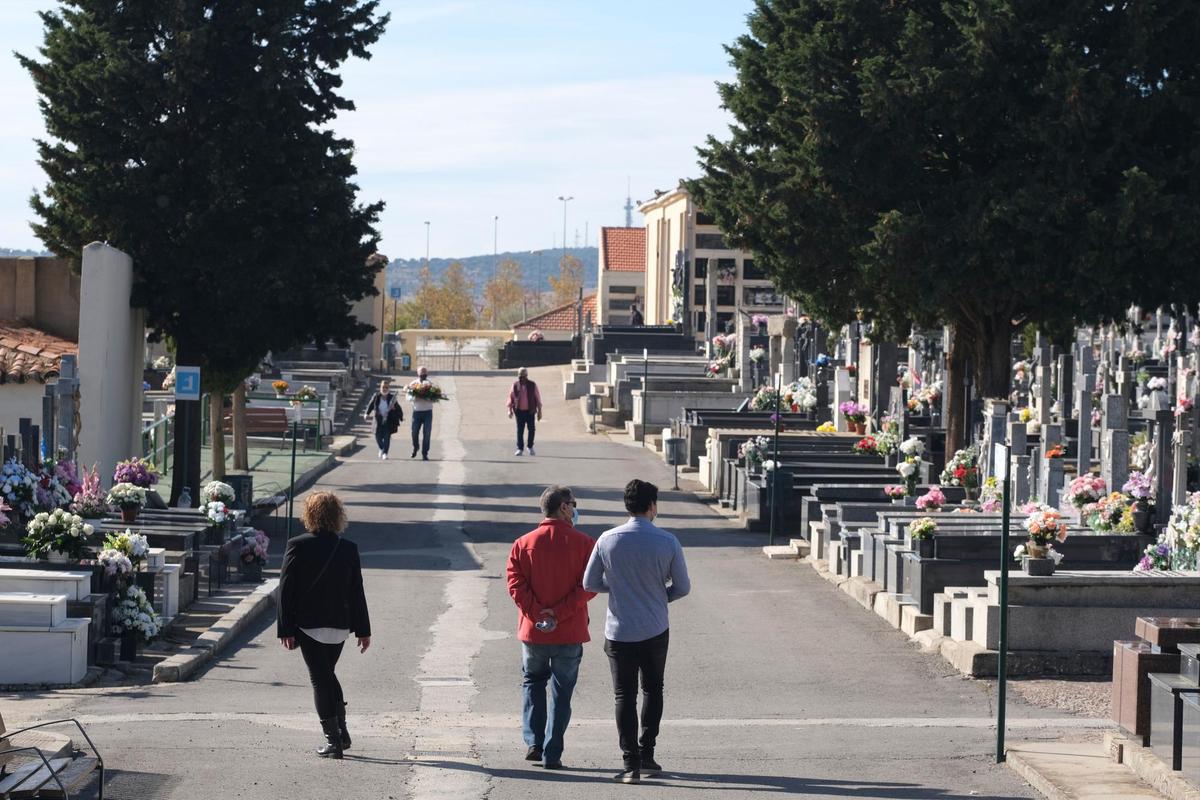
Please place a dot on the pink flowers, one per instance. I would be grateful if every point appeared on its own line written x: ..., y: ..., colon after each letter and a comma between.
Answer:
x: 931, y: 500
x: 254, y: 548
x: 894, y: 492
x: 1086, y: 489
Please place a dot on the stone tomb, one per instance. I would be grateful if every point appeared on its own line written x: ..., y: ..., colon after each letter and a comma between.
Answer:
x: 39, y: 643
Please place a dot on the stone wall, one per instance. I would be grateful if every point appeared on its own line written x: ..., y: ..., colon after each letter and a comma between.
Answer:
x: 43, y: 292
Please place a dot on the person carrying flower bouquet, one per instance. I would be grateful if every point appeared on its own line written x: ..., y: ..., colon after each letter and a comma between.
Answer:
x: 422, y: 418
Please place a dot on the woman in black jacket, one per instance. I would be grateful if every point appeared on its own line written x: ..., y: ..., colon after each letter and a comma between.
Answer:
x: 387, y: 414
x: 321, y: 602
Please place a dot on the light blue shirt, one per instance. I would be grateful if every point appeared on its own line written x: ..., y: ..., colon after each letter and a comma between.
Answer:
x: 641, y: 567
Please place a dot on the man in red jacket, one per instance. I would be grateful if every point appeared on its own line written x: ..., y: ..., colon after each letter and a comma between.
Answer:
x: 545, y: 579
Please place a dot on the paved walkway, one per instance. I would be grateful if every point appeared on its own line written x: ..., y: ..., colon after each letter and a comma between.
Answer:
x: 776, y: 682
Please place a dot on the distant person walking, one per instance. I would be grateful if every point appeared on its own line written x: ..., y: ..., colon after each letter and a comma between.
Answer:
x: 321, y: 602
x: 545, y: 580
x: 635, y: 316
x: 422, y: 419
x: 642, y: 568
x: 385, y: 410
x: 525, y: 402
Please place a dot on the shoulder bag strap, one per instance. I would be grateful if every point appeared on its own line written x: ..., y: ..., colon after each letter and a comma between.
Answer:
x: 325, y: 566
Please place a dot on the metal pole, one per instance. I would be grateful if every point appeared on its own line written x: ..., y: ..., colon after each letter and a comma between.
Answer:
x: 292, y: 484
x: 1002, y: 665
x: 645, y: 377
x: 772, y: 475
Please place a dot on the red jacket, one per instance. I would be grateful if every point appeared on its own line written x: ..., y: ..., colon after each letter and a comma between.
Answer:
x: 545, y: 570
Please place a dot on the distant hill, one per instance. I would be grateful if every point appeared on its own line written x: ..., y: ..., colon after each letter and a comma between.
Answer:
x: 8, y: 252
x: 405, y: 273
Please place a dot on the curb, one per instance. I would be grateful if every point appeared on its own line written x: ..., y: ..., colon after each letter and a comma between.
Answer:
x: 1151, y: 769
x: 182, y: 666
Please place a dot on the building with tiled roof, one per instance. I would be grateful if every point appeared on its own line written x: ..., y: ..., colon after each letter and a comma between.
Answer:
x: 622, y: 274
x: 557, y: 324
x: 30, y: 355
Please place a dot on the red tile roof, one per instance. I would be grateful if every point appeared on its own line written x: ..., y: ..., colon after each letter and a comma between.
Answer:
x: 624, y: 249
x: 27, y: 353
x: 559, y: 319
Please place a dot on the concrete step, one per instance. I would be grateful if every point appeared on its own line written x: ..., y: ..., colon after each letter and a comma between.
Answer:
x: 802, y: 547
x: 1071, y: 771
x: 780, y: 552
x: 78, y: 773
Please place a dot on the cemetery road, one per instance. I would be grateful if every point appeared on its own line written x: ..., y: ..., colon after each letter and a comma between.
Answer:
x: 776, y: 682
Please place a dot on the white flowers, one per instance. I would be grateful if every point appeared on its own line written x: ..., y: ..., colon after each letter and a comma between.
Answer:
x: 757, y: 354
x: 907, y: 469
x: 134, y: 613
x: 114, y: 562
x: 126, y: 495
x: 216, y: 511
x: 769, y: 465
x: 57, y: 531
x: 912, y: 447
x: 216, y: 491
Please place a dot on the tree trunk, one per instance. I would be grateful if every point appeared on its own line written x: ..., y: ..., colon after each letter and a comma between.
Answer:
x: 993, y: 357
x: 185, y: 457
x: 241, y: 454
x: 216, y: 409
x: 956, y: 368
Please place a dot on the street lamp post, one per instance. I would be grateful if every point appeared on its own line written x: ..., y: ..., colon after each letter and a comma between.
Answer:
x: 495, y: 260
x: 426, y: 244
x: 565, y: 199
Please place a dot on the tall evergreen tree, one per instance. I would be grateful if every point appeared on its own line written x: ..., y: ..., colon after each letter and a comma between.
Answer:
x: 975, y: 162
x: 193, y: 135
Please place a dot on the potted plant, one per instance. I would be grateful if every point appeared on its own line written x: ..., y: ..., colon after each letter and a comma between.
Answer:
x: 963, y: 470
x: 135, y: 621
x: 1086, y: 490
x: 866, y: 446
x: 59, y: 532
x: 895, y: 493
x: 280, y: 387
x: 110, y: 571
x: 1044, y: 526
x: 136, y: 471
x: 218, y: 492
x: 933, y: 500
x: 219, y: 516
x: 1138, y: 487
x: 17, y: 488
x: 920, y: 532
x: 855, y: 414
x: 753, y: 452
x: 129, y: 498
x: 254, y: 555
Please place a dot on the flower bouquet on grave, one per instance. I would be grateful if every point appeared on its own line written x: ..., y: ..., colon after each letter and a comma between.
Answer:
x: 49, y: 491
x: 59, y: 532
x: 4, y: 518
x: 990, y: 497
x: 162, y: 363
x: 252, y: 382
x: 866, y: 446
x: 757, y: 355
x: 137, y: 471
x: 134, y: 546
x: 854, y: 412
x: 826, y: 427
x: 907, y: 470
x: 1056, y: 451
x: 933, y: 500
x: 1183, y: 404
x: 536, y: 336
x: 169, y: 380
x: 1086, y: 490
x: 1139, y: 489
x: 304, y: 393
x: 800, y: 395
x: 895, y: 492
x: 425, y: 390
x: 128, y: 497
x: 219, y: 517
x: 253, y: 556
x: 89, y: 502
x: 921, y: 532
x: 1112, y: 513
x: 114, y: 565
x: 1178, y: 547
x: 753, y: 451
x: 759, y: 321
x: 280, y: 387
x: 17, y: 488
x: 963, y: 470
x: 134, y: 617
x: 1044, y: 526
x: 767, y: 399
x: 217, y: 491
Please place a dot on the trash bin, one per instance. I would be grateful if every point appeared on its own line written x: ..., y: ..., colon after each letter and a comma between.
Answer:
x: 405, y: 362
x: 672, y: 448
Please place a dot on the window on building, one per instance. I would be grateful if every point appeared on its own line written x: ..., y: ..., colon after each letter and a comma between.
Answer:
x: 726, y: 296
x: 710, y: 241
x: 699, y: 296
x: 622, y: 290
x: 704, y: 219
x: 763, y: 296
x: 701, y: 268
x: 699, y: 322
x: 752, y: 273
x: 725, y: 322
x: 727, y: 269
x: 620, y: 304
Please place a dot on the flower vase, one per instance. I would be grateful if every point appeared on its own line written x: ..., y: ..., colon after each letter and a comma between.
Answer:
x: 251, y: 572
x: 1141, y: 516
x: 910, y: 499
x: 280, y: 396
x: 145, y: 582
x: 56, y: 558
x: 129, y: 645
x: 924, y: 547
x: 129, y: 515
x: 214, y: 534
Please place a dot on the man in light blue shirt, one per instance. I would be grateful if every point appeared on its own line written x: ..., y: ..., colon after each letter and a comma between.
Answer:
x: 642, y: 569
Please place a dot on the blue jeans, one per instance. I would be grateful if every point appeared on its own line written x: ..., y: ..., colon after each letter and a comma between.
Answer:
x: 383, y: 438
x: 559, y: 664
x: 422, y: 421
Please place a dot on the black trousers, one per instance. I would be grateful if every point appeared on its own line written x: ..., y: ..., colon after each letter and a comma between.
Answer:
x: 383, y: 438
x: 526, y: 421
x: 321, y: 660
x: 628, y: 661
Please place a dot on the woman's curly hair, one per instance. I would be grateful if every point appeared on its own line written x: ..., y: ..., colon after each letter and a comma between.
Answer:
x: 323, y: 513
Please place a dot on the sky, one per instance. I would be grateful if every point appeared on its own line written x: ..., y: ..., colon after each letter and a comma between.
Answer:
x: 473, y: 109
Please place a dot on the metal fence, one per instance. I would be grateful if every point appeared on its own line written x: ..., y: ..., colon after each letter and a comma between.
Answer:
x: 443, y: 359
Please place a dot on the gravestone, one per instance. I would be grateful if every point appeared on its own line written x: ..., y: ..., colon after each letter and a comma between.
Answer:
x: 995, y: 425
x: 1163, y: 464
x: 841, y: 394
x: 1019, y: 472
x: 1066, y: 376
x: 1083, y: 404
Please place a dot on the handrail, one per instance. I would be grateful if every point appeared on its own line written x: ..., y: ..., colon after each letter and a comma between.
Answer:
x: 82, y: 732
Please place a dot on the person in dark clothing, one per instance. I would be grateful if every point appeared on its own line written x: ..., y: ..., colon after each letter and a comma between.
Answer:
x: 387, y: 414
x: 635, y: 316
x: 321, y: 602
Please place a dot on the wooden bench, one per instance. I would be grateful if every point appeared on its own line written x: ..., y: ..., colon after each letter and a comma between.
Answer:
x: 265, y: 422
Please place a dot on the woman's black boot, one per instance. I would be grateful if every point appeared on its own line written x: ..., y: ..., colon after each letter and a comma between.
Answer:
x: 342, y: 728
x: 333, y: 739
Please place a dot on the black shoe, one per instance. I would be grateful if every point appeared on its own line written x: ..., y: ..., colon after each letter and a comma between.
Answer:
x: 628, y: 776
x: 333, y: 739
x: 424, y: 457
x: 414, y: 455
x: 553, y: 765
x: 534, y: 753
x: 650, y: 767
x: 342, y: 729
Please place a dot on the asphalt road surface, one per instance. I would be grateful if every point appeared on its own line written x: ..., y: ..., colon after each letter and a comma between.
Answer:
x: 776, y: 682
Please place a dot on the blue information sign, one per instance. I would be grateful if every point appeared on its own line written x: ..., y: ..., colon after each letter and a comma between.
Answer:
x: 187, y: 383
x: 394, y: 292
